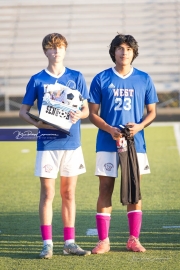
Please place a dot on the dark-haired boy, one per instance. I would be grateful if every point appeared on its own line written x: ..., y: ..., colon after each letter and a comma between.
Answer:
x: 56, y: 151
x: 120, y: 93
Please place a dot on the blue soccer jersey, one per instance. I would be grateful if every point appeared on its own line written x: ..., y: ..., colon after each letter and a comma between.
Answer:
x: 122, y: 100
x: 54, y: 139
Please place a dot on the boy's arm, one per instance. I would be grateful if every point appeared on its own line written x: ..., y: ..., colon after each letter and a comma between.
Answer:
x: 150, y: 116
x: 100, y: 123
x: 23, y: 114
x: 148, y: 119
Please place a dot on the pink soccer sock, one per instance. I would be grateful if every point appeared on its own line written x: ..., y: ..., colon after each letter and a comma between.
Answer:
x: 46, y: 232
x: 103, y: 224
x: 69, y: 233
x: 135, y: 221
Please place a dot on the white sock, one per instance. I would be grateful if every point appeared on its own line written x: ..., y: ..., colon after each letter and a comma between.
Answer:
x: 103, y: 214
x: 69, y: 241
x: 47, y: 242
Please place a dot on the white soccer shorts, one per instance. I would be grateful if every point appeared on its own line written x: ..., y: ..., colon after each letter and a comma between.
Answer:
x: 67, y: 162
x: 107, y: 164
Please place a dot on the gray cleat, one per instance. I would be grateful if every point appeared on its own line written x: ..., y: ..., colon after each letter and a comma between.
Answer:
x: 74, y: 249
x: 46, y: 252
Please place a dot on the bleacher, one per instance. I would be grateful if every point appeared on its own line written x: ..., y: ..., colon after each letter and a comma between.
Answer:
x: 89, y: 27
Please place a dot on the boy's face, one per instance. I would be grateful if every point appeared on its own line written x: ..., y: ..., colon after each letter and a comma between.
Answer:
x: 123, y: 55
x: 56, y: 55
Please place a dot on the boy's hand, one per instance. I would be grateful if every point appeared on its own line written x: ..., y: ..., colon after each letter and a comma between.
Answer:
x: 115, y: 133
x: 75, y: 116
x: 134, y: 128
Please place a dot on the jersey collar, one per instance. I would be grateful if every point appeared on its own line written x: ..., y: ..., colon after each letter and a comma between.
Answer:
x: 53, y: 75
x: 121, y: 76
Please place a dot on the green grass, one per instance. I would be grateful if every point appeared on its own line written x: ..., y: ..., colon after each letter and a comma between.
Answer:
x: 20, y: 241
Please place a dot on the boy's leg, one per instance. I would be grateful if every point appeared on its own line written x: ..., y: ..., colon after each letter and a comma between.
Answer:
x: 103, y: 216
x: 72, y: 164
x: 134, y: 211
x: 134, y: 214
x: 45, y: 215
x: 67, y: 190
x: 106, y: 168
x: 47, y: 165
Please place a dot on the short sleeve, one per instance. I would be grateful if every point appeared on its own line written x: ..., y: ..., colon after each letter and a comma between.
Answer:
x: 151, y: 94
x: 95, y: 91
x: 30, y: 95
x: 82, y: 87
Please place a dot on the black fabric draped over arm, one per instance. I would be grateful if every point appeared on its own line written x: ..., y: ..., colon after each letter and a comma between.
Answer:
x: 130, y: 177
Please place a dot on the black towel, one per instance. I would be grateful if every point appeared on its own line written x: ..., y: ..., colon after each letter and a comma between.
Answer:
x: 130, y: 178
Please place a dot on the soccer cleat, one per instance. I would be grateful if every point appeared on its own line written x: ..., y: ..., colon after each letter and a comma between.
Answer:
x: 133, y: 244
x: 46, y: 252
x: 103, y: 246
x: 74, y: 249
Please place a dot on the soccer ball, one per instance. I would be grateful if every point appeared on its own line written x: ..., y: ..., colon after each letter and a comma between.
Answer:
x: 72, y: 98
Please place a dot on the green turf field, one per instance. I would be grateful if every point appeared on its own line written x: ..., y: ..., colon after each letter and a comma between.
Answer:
x: 20, y: 241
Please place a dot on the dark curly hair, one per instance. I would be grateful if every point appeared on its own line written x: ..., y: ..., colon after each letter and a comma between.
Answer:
x: 119, y: 40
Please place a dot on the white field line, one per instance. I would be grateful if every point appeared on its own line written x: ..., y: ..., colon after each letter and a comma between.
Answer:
x: 16, y: 127
x: 177, y: 135
x: 155, y: 124
x: 176, y: 126
x: 91, y: 232
x: 163, y: 124
x: 171, y: 227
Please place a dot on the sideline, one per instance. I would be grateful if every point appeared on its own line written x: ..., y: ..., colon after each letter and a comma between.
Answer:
x: 177, y: 135
x: 176, y: 126
x: 154, y: 124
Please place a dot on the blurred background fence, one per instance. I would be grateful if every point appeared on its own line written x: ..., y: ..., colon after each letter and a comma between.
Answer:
x: 89, y: 27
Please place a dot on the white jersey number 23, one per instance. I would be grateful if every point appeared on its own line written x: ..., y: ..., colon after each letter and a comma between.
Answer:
x: 126, y: 105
